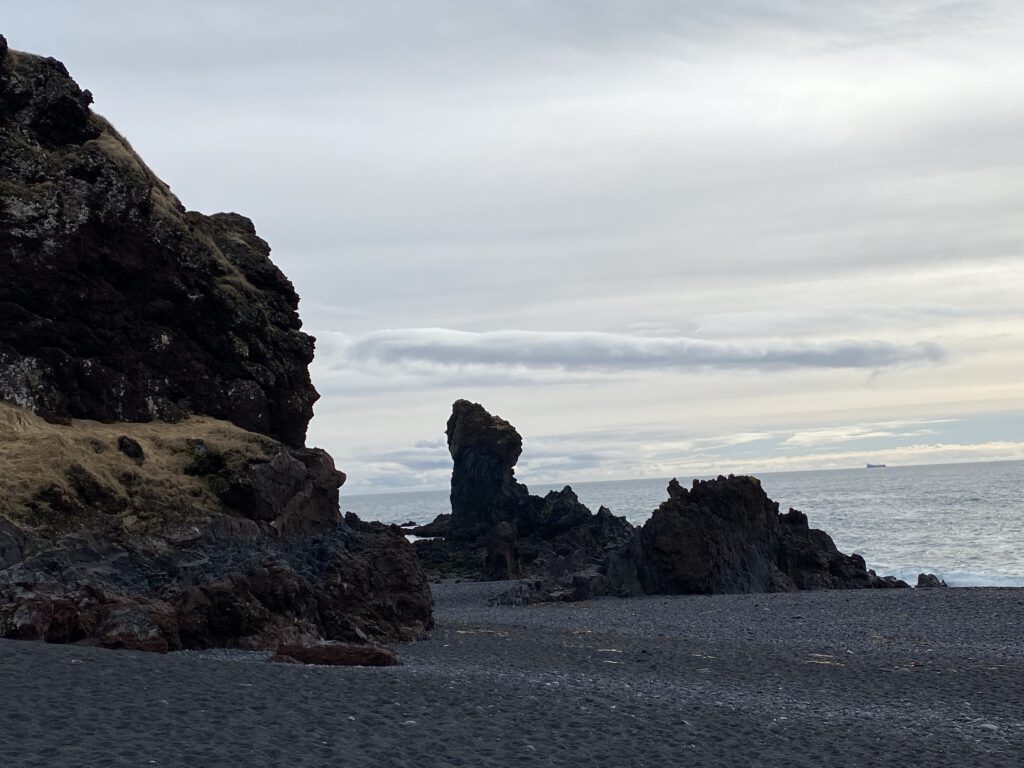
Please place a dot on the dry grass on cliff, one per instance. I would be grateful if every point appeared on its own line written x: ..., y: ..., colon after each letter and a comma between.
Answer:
x: 36, y: 457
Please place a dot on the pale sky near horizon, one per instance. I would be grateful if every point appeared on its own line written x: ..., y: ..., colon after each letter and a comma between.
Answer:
x: 660, y: 238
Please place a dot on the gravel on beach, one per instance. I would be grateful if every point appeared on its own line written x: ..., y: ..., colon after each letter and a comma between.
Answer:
x: 873, y: 678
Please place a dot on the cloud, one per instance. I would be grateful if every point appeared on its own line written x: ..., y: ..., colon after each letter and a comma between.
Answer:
x: 594, y: 351
x: 814, y: 438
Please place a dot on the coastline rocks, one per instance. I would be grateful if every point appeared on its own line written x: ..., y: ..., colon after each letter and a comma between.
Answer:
x: 719, y: 536
x: 484, y: 449
x: 726, y: 535
x: 156, y: 490
x: 929, y: 581
x: 497, y: 530
x: 116, y: 304
x: 251, y: 593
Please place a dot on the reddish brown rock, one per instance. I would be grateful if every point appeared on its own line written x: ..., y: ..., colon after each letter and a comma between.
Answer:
x: 340, y: 655
x: 376, y: 590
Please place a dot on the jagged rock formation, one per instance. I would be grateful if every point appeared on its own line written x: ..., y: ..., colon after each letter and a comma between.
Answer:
x: 147, y: 526
x: 722, y: 535
x: 929, y: 581
x: 117, y: 304
x: 484, y: 450
x: 497, y: 529
x: 217, y: 537
x: 726, y: 535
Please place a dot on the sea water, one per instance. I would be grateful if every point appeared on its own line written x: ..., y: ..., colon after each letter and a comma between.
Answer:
x: 963, y: 522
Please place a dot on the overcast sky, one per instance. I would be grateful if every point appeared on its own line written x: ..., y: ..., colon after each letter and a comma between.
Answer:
x: 660, y: 238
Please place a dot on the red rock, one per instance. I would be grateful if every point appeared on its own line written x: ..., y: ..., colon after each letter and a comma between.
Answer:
x: 340, y: 655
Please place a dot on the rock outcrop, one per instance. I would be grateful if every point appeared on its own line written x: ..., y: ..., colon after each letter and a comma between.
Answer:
x: 929, y: 581
x: 722, y: 535
x: 484, y: 449
x: 221, y: 537
x: 497, y: 529
x: 117, y: 304
x: 726, y: 535
x: 156, y: 491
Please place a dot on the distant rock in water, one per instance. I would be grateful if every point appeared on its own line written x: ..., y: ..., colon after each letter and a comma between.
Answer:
x: 160, y: 496
x: 722, y: 535
x: 117, y: 304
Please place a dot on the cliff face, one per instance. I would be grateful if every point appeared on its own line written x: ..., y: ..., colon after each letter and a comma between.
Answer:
x: 117, y: 304
x: 160, y: 496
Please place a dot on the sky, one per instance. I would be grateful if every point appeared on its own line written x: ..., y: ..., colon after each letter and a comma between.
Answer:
x: 660, y: 238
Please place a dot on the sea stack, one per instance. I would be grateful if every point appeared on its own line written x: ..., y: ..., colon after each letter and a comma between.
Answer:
x: 157, y: 490
x: 484, y: 450
x: 719, y: 536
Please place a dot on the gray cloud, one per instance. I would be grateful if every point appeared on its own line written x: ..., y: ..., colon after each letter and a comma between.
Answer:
x: 591, y: 351
x: 804, y: 187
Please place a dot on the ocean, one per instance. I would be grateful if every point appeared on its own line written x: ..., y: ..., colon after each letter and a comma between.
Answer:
x: 963, y: 522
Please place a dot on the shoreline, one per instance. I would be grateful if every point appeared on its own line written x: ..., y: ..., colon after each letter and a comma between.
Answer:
x: 875, y: 677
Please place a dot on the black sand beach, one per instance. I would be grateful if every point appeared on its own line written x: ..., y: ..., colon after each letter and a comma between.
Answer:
x: 871, y: 678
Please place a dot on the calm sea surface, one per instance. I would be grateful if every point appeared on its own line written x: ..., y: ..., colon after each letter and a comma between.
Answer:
x: 964, y: 522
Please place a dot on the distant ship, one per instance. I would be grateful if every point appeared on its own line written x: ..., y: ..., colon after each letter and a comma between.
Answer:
x: 876, y: 466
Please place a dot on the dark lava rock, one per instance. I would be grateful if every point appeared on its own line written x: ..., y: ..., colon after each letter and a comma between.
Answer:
x: 14, y: 544
x: 130, y: 447
x: 497, y: 528
x: 345, y: 585
x: 116, y: 304
x: 502, y: 561
x: 722, y: 535
x: 929, y: 581
x: 484, y: 449
x: 726, y: 535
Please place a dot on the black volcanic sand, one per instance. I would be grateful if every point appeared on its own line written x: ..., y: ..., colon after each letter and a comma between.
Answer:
x: 859, y: 678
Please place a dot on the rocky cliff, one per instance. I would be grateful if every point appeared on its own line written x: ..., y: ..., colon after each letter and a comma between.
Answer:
x: 117, y: 304
x: 155, y: 490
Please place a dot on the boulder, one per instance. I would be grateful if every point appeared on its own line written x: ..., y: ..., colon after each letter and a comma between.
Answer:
x: 338, y: 655
x: 929, y: 581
